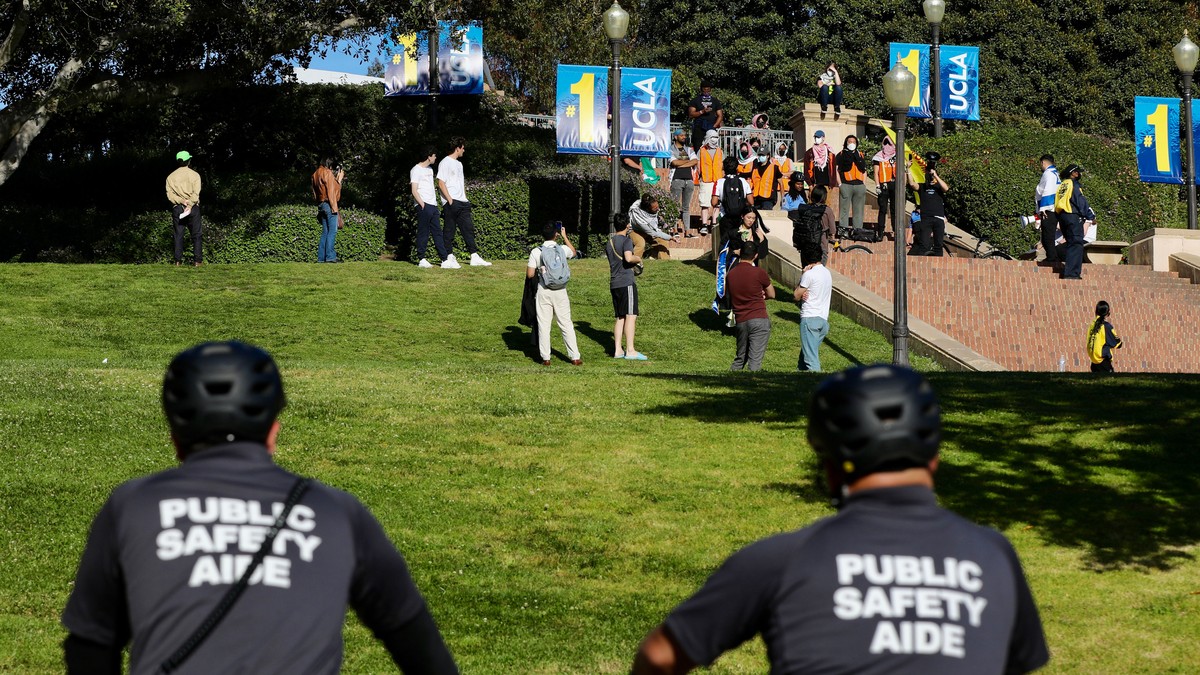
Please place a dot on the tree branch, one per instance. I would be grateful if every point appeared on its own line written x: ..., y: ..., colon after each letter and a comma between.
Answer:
x: 10, y: 44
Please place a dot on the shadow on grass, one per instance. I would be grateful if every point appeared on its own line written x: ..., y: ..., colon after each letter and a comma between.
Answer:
x: 1105, y: 465
x: 519, y: 339
x: 709, y: 321
x: 604, y: 338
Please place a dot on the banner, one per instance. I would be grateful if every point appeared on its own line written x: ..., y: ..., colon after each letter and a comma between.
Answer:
x: 645, y: 112
x: 916, y: 58
x: 1156, y: 136
x: 460, y: 58
x: 408, y: 72
x: 581, y: 111
x: 960, y: 82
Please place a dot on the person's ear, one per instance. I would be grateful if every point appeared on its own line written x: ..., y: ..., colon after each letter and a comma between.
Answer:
x: 272, y: 437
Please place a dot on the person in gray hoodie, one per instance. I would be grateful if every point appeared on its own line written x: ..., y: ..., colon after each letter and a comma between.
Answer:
x: 646, y: 233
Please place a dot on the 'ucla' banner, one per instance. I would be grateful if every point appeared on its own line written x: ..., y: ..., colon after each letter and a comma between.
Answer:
x: 1156, y: 137
x: 408, y: 72
x: 581, y: 112
x: 916, y: 58
x: 460, y: 58
x: 960, y: 82
x: 645, y: 112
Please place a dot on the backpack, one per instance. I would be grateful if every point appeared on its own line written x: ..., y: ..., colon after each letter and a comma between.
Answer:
x: 1062, y: 198
x: 807, y: 229
x: 555, y: 271
x: 733, y: 195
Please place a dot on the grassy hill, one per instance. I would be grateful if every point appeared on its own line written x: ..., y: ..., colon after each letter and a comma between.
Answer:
x: 553, y: 516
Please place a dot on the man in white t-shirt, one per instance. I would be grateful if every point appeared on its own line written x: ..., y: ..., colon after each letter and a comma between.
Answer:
x: 457, y: 210
x: 420, y: 180
x: 813, y: 292
x: 552, y: 303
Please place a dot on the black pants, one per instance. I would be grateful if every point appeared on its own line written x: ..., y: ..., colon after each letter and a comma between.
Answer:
x: 929, y: 235
x: 885, y: 201
x: 1049, y: 225
x: 1104, y: 366
x: 1072, y: 229
x: 458, y: 216
x: 194, y: 225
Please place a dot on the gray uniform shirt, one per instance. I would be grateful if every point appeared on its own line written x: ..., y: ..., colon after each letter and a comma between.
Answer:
x: 165, y: 548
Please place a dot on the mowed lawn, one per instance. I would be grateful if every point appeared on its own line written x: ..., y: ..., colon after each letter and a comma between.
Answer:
x: 554, y: 515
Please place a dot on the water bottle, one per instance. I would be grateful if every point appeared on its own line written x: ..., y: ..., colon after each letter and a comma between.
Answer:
x: 1062, y: 363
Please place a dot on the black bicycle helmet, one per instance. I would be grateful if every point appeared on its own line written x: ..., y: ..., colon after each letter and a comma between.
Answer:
x: 219, y: 392
x: 875, y: 418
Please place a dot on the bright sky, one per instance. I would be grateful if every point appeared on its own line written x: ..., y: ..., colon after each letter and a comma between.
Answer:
x: 341, y: 63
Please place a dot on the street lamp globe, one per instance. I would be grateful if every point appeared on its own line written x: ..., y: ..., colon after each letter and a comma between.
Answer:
x: 1186, y: 53
x: 898, y: 86
x: 934, y: 10
x: 616, y: 22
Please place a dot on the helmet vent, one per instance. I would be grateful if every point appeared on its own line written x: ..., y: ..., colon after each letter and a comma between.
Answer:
x: 260, y: 388
x: 218, y: 388
x: 890, y: 413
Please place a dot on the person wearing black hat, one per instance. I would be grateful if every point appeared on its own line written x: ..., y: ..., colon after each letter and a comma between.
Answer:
x: 892, y: 583
x: 229, y: 563
x: 930, y: 232
x: 1072, y: 209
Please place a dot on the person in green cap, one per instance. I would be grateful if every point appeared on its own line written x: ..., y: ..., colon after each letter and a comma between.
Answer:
x: 183, y: 191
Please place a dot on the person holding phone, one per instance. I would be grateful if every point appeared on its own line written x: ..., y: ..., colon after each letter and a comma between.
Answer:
x: 706, y: 112
x: 829, y: 89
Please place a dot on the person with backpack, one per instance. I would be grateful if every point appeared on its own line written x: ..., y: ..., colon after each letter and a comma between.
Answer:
x: 1073, y: 210
x: 1101, y: 340
x: 730, y: 197
x: 622, y: 265
x: 548, y: 263
x: 814, y: 222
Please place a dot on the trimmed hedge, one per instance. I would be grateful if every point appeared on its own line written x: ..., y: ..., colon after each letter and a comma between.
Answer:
x: 993, y: 172
x: 290, y: 233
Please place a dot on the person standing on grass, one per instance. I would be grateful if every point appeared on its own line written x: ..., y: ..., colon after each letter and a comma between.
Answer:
x: 456, y: 211
x: 552, y: 302
x: 169, y: 556
x: 1102, y: 340
x: 327, y: 190
x: 893, y: 583
x: 623, y: 287
x: 749, y: 290
x: 183, y: 191
x: 420, y: 180
x: 813, y: 293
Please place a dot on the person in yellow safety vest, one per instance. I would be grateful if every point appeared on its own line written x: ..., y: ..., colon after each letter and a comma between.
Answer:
x: 885, y: 179
x: 783, y: 167
x: 711, y: 159
x: 764, y: 181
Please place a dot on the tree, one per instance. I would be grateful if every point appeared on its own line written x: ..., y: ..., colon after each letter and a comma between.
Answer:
x: 59, y: 56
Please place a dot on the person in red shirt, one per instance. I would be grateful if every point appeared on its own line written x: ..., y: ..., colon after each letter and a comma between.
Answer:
x: 749, y: 289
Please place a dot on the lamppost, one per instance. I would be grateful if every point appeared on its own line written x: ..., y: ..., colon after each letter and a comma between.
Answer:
x: 934, y: 10
x: 616, y: 23
x: 1185, y: 54
x: 898, y: 86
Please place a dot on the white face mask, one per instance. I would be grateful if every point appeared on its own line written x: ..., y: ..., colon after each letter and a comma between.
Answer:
x: 819, y: 141
x: 712, y: 142
x: 852, y: 147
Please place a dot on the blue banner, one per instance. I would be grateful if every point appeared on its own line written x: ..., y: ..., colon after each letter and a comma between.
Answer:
x: 581, y: 112
x: 645, y: 112
x: 916, y: 58
x: 960, y: 82
x: 408, y: 72
x: 460, y: 58
x: 1156, y: 136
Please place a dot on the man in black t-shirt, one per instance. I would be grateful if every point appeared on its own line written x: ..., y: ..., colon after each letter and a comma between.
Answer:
x: 166, y: 549
x: 706, y: 112
x: 622, y: 263
x: 930, y: 233
x: 892, y: 583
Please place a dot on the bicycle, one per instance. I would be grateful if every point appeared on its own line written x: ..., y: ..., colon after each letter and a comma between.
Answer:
x: 982, y: 250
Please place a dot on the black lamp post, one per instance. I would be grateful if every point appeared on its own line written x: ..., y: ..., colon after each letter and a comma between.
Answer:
x: 616, y: 24
x: 934, y: 11
x: 1185, y: 54
x: 898, y: 86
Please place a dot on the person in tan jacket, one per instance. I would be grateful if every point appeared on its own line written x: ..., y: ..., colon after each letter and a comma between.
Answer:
x: 183, y: 191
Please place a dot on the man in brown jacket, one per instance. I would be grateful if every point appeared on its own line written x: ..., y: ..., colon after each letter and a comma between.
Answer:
x: 327, y: 190
x: 183, y: 191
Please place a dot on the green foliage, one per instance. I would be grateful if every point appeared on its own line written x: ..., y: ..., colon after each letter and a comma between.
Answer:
x: 993, y: 171
x: 291, y: 233
x: 144, y: 238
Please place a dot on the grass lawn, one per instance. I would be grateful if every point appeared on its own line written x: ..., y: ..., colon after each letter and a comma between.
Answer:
x: 553, y: 516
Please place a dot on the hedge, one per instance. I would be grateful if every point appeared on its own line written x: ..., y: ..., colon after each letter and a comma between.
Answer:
x: 993, y: 172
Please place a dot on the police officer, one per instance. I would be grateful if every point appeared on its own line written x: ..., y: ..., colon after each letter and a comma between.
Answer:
x: 1072, y: 209
x: 167, y: 552
x: 892, y: 583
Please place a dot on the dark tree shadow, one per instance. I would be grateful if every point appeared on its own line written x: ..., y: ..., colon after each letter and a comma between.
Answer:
x: 1104, y: 464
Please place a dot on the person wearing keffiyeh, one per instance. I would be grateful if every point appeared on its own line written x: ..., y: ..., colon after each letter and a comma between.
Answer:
x: 884, y: 163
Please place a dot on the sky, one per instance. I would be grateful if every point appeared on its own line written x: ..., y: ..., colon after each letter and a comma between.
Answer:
x: 341, y: 63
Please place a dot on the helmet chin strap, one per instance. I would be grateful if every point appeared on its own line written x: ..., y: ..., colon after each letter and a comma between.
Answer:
x: 835, y: 479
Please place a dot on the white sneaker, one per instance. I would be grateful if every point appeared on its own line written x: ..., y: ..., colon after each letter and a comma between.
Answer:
x: 424, y: 263
x: 732, y: 321
x: 478, y: 261
x: 450, y: 263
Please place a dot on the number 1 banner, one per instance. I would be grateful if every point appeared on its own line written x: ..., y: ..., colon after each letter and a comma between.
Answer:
x: 1156, y: 137
x: 916, y: 58
x: 581, y: 113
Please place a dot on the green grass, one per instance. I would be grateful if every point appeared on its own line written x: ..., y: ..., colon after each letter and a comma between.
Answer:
x: 553, y: 516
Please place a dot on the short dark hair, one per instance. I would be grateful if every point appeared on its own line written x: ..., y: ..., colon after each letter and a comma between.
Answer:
x: 648, y: 198
x: 1047, y: 158
x: 549, y: 231
x: 818, y: 194
x: 427, y: 150
x: 730, y: 165
x: 749, y: 250
x: 328, y: 162
x: 620, y: 222
x: 705, y: 84
x: 810, y: 252
x: 456, y: 143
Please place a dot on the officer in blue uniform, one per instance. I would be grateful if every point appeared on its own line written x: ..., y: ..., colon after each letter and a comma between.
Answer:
x: 166, y: 550
x: 892, y: 583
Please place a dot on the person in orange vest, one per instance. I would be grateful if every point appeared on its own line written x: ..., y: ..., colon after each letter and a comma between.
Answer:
x: 884, y: 162
x: 764, y: 181
x: 745, y: 159
x: 783, y: 167
x: 711, y: 159
x: 852, y: 188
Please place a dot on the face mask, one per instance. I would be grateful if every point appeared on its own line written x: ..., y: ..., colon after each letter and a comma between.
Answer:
x: 852, y: 147
x: 819, y: 141
x: 712, y: 142
x: 781, y: 153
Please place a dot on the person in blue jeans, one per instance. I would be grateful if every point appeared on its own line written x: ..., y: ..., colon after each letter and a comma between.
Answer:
x: 327, y: 190
x: 813, y: 293
x: 424, y: 196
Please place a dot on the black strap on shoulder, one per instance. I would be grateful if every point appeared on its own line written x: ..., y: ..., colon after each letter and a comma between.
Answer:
x: 231, y: 596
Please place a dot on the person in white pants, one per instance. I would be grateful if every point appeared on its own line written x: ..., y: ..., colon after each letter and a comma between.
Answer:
x: 553, y: 303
